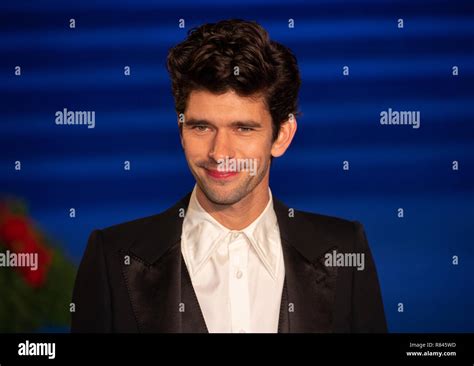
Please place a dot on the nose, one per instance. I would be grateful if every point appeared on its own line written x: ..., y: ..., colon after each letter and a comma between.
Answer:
x: 221, y: 146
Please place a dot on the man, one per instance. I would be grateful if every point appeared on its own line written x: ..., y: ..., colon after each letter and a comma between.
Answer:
x: 229, y: 257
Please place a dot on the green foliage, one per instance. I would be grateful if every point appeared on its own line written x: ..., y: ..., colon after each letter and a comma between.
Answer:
x: 25, y: 309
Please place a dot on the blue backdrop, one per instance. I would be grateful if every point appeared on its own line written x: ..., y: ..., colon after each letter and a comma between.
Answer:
x: 410, y: 68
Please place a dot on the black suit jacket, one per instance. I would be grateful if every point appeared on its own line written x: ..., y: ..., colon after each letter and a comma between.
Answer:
x: 132, y: 278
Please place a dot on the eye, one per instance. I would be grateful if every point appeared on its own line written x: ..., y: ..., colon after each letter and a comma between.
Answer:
x: 200, y: 128
x: 245, y: 129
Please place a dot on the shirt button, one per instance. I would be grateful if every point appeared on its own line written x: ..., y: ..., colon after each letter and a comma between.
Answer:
x: 239, y: 274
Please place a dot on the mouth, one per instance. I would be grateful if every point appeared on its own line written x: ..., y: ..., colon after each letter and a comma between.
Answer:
x: 221, y: 176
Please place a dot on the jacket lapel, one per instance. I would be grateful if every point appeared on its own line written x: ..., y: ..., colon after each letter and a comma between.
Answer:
x: 158, y: 283
x: 154, y: 292
x: 192, y: 319
x: 309, y: 291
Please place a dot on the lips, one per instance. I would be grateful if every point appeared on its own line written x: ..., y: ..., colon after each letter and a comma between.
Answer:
x: 216, y: 174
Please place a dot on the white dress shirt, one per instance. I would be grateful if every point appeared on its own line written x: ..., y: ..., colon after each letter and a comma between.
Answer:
x: 237, y: 275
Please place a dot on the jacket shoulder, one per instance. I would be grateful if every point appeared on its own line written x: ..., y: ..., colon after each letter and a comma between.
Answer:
x: 329, y: 223
x: 122, y: 235
x: 340, y: 231
x: 327, y: 220
x: 131, y: 227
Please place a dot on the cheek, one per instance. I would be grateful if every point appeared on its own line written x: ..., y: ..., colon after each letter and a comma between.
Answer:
x: 195, y: 147
x: 256, y: 148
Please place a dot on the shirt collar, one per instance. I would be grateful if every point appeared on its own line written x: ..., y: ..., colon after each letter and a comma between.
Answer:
x: 202, y: 233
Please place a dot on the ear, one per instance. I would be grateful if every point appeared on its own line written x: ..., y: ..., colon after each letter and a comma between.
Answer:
x: 285, y: 136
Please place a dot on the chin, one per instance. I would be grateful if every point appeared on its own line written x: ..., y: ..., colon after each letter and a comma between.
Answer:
x: 222, y: 195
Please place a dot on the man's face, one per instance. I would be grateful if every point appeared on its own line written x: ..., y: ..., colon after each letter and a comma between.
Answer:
x: 227, y: 141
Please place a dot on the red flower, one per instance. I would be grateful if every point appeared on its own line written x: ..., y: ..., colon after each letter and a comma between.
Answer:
x: 19, y: 236
x: 13, y: 228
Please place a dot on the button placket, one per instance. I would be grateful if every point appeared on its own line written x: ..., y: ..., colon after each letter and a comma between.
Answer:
x: 238, y: 285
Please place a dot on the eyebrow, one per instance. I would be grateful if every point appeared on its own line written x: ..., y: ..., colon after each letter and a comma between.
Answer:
x: 201, y: 122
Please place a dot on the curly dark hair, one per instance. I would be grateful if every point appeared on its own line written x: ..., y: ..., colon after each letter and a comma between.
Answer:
x: 208, y: 58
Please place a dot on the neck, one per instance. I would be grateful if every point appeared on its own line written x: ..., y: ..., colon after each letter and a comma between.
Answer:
x: 241, y: 214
